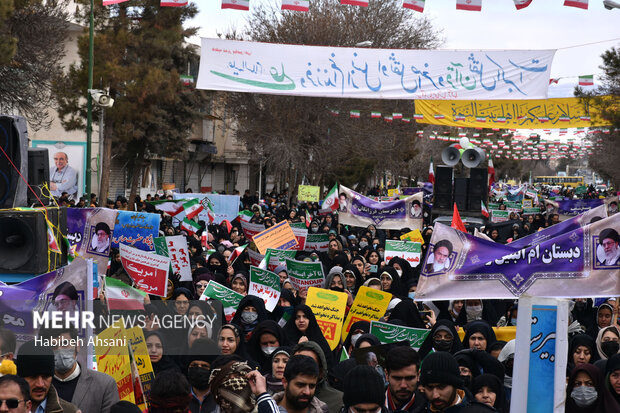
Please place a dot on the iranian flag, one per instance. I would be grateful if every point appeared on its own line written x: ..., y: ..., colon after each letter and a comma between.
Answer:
x: 397, y: 115
x: 296, y: 5
x: 491, y: 172
x: 108, y: 2
x: 190, y: 226
x: 481, y: 119
x: 521, y: 4
x: 440, y: 116
x: 363, y: 3
x: 331, y: 200
x: 236, y: 4
x: 173, y: 3
x: 264, y: 264
x: 484, y: 209
x: 418, y: 116
x: 308, y: 219
x: 192, y: 208
x: 586, y: 80
x: 245, y: 216
x: 120, y: 296
x: 51, y: 239
x: 582, y: 4
x: 171, y: 208
x: 471, y: 5
x: 236, y: 252
x: 431, y: 173
x: 355, y: 114
x: 375, y: 115
x: 417, y: 5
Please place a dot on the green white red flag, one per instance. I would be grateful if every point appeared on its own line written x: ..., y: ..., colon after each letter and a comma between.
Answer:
x: 355, y: 114
x: 108, y: 2
x: 296, y: 5
x: 192, y: 208
x: 521, y: 4
x: 331, y: 200
x: 431, y: 173
x: 417, y: 5
x: 120, y: 296
x: 236, y: 4
x: 236, y: 252
x: 51, y: 239
x: 582, y: 4
x: 190, y: 226
x: 245, y: 215
x: 170, y: 207
x: 484, y: 209
x: 173, y: 3
x: 363, y: 3
x: 308, y: 219
x: 587, y: 80
x: 470, y: 5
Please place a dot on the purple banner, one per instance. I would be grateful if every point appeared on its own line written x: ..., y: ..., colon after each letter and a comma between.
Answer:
x: 582, y: 262
x: 76, y: 222
x: 358, y: 210
x: 577, y: 206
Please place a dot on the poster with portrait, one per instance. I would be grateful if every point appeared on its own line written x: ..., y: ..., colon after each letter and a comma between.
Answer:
x: 67, y: 162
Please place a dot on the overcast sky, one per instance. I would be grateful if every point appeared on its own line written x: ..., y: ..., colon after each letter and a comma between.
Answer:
x: 545, y: 24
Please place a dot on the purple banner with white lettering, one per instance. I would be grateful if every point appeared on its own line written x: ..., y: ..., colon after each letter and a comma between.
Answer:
x: 362, y: 211
x: 583, y: 262
x: 577, y: 206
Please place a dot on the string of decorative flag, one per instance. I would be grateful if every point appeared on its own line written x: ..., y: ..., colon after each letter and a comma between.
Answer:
x: 416, y: 5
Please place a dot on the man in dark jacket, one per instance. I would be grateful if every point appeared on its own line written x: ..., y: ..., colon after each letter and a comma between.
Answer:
x: 442, y: 385
x: 402, y: 370
x: 324, y: 391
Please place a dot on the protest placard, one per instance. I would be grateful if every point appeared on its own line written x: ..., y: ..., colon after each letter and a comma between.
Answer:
x: 394, y: 192
x: 279, y: 237
x: 224, y: 206
x: 493, y: 205
x: 266, y: 285
x: 301, y: 234
x: 527, y: 203
x: 369, y: 305
x: 329, y: 308
x: 230, y: 299
x: 407, y: 250
x: 317, y: 242
x: 179, y: 256
x: 276, y: 257
x: 148, y: 271
x: 305, y: 274
x: 98, y: 231
x: 113, y: 359
x: 391, y: 333
x: 415, y: 236
x: 531, y: 211
x: 249, y: 229
x: 513, y: 206
x: 137, y: 342
x: 498, y: 215
x: 136, y: 229
x: 309, y: 193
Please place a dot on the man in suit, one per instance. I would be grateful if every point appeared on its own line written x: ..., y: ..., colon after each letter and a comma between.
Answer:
x: 91, y: 391
x: 440, y: 260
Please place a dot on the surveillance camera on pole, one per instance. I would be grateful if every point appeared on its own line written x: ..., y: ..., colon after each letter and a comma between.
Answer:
x: 101, y: 98
x: 611, y: 4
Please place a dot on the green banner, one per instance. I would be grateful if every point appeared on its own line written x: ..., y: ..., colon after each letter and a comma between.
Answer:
x: 301, y: 225
x: 493, y: 205
x: 531, y: 211
x: 280, y: 255
x: 499, y: 216
x: 265, y: 284
x: 410, y: 251
x: 228, y: 297
x: 305, y: 274
x: 391, y: 333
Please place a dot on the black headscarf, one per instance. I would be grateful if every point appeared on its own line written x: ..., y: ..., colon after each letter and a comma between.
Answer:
x: 427, y: 345
x: 582, y: 340
x: 496, y: 386
x: 254, y: 348
x: 363, y: 326
x: 165, y: 363
x: 479, y: 326
x: 407, y: 312
x: 313, y: 332
x: 396, y: 288
x: 222, y: 268
x: 250, y: 300
x: 597, y: 378
x: 359, y: 281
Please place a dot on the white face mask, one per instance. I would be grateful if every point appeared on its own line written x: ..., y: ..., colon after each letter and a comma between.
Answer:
x: 267, y: 350
x: 400, y: 273
x: 64, y: 359
x: 474, y: 312
x: 354, y: 338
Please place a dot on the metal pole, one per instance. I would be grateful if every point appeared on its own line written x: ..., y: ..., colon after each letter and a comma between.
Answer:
x: 260, y: 179
x: 101, y: 129
x: 89, y: 116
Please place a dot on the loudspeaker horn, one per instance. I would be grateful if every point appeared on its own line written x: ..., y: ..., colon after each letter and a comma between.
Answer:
x: 473, y: 156
x: 451, y: 155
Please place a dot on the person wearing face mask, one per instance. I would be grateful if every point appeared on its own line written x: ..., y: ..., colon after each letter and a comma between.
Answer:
x: 357, y: 329
x: 250, y: 312
x: 200, y: 358
x: 584, y: 392
x: 607, y: 343
x: 89, y: 390
x: 442, y: 337
x: 267, y: 336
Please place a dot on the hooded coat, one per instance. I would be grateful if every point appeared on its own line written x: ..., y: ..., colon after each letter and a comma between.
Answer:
x: 408, y: 313
x: 256, y: 302
x: 427, y: 345
x: 254, y: 347
x: 313, y: 333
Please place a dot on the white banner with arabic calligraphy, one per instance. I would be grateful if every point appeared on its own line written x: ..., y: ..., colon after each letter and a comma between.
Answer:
x: 343, y: 72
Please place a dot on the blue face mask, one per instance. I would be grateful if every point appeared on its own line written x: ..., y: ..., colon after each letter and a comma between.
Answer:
x: 513, y: 321
x: 411, y: 294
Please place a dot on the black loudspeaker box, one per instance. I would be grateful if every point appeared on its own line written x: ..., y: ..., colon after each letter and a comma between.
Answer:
x: 14, y: 144
x: 478, y: 188
x: 443, y: 187
x: 38, y: 174
x: 461, y: 187
x: 24, y: 241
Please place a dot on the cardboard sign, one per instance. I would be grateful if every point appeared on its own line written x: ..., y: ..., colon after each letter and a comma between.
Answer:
x: 179, y: 256
x: 369, y: 305
x: 279, y: 237
x: 415, y: 236
x: 531, y: 211
x: 277, y: 257
x: 393, y: 192
x: 149, y: 271
x: 527, y: 203
x: 305, y: 274
x: 499, y: 215
x: 113, y: 359
x: 136, y: 229
x: 249, y: 229
x: 329, y: 308
x: 317, y: 242
x: 301, y: 234
x: 230, y: 299
x: 308, y: 193
x: 266, y: 285
x: 391, y: 333
x: 407, y: 250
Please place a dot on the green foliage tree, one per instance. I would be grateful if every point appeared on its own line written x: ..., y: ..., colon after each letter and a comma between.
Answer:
x: 140, y: 53
x: 299, y: 135
x: 32, y: 34
x: 605, y: 98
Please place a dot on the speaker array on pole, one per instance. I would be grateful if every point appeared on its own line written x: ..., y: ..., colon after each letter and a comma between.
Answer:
x: 13, y: 158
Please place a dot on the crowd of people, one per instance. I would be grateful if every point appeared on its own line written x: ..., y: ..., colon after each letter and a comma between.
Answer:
x: 280, y: 361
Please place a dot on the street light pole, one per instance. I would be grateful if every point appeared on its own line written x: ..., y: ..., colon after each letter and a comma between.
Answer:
x: 89, y: 115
